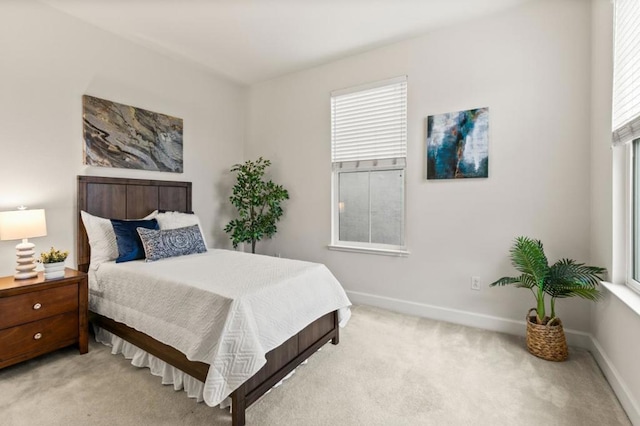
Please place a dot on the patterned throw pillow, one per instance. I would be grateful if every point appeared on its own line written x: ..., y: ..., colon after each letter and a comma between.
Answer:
x: 171, y: 242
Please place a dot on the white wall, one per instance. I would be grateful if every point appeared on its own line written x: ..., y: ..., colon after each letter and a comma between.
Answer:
x: 614, y: 325
x: 48, y: 61
x: 542, y: 68
x: 530, y: 66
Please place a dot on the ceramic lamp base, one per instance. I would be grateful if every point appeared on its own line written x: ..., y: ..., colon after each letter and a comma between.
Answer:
x: 26, y: 262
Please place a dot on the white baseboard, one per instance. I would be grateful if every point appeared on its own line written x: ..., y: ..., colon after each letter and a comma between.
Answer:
x: 575, y: 338
x: 631, y: 407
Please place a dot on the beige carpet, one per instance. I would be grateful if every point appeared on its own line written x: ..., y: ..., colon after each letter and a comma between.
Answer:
x: 389, y: 369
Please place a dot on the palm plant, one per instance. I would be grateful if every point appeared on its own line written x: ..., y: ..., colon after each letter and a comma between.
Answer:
x: 565, y: 278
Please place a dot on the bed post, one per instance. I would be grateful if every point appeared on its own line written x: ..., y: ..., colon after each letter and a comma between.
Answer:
x: 238, y: 406
x: 336, y: 327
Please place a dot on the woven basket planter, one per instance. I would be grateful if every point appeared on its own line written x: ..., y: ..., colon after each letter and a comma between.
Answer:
x: 546, y: 341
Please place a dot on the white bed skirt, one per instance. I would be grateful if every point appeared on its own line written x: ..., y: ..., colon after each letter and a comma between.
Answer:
x: 170, y: 375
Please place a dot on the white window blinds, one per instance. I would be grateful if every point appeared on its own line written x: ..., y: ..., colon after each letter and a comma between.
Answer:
x: 626, y: 72
x: 369, y: 122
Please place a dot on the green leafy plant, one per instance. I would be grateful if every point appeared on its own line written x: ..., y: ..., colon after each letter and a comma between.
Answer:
x: 53, y: 256
x: 565, y: 278
x: 258, y: 204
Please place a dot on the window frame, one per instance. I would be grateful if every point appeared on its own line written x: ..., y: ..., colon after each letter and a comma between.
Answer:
x: 632, y: 198
x: 380, y: 164
x: 336, y: 243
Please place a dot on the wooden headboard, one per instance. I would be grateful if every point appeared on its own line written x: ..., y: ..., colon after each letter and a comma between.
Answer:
x: 119, y: 198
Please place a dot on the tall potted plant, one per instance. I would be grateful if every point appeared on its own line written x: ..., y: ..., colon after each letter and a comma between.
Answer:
x: 258, y: 202
x: 565, y: 278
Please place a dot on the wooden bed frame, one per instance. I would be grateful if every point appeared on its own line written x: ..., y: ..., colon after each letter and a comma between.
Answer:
x: 119, y: 198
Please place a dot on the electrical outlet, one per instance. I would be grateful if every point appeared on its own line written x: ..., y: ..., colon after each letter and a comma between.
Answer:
x: 475, y: 283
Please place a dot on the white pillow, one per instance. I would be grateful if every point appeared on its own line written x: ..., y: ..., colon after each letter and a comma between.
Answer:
x: 102, y: 238
x: 174, y: 220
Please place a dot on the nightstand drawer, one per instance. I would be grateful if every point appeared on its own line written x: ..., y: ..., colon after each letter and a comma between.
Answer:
x: 39, y: 336
x: 38, y: 305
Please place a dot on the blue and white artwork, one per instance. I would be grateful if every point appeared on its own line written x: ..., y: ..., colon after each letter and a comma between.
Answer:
x: 458, y: 144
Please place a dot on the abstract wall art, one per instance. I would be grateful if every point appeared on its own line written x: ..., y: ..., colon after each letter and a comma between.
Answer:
x: 458, y: 144
x: 122, y: 136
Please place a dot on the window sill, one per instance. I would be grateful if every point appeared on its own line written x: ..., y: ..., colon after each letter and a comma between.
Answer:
x: 625, y: 294
x: 383, y: 252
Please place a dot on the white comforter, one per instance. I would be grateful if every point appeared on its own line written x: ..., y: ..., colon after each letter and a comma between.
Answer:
x: 225, y: 308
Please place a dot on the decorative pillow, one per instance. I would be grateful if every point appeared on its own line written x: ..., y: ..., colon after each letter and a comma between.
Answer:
x: 173, y: 220
x: 129, y: 244
x: 102, y: 238
x: 173, y: 211
x: 171, y: 242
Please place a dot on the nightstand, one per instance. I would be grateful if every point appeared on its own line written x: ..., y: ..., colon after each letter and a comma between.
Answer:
x: 39, y: 316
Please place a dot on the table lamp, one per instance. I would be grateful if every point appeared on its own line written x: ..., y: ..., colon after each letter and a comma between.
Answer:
x: 22, y: 224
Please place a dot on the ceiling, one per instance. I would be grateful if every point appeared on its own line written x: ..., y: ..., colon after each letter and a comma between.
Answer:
x: 254, y: 40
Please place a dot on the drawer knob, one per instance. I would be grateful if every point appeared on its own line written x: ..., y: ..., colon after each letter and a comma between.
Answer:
x: 37, y: 336
x: 37, y: 306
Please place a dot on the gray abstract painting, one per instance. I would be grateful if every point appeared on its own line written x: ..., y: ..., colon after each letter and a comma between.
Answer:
x: 122, y: 136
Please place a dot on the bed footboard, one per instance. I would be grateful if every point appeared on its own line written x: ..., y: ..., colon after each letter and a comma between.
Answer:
x: 280, y: 361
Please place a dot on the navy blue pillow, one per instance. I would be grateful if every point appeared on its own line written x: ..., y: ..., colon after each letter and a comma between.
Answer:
x: 129, y: 244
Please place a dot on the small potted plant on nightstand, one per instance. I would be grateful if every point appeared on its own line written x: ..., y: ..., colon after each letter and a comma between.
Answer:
x: 565, y: 278
x: 53, y: 261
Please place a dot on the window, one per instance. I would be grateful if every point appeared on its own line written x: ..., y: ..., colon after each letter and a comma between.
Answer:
x: 626, y: 117
x: 634, y: 231
x: 368, y: 153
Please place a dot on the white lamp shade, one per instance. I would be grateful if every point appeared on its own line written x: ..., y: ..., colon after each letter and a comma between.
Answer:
x: 20, y: 224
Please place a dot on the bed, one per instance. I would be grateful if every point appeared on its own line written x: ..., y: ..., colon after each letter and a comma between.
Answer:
x: 119, y: 198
